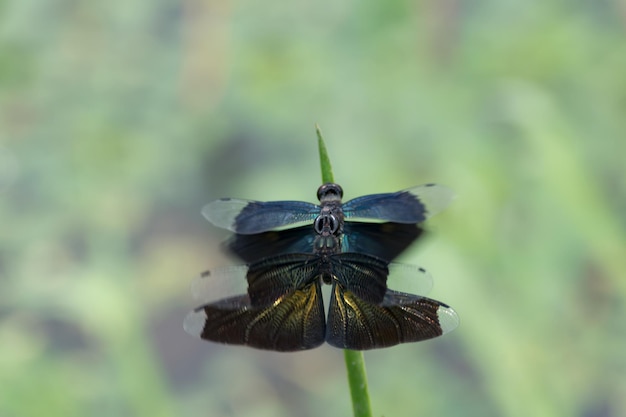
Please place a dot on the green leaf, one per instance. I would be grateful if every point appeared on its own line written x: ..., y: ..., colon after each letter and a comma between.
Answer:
x: 327, y: 169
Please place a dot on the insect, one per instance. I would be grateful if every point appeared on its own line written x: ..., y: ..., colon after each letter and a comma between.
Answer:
x: 381, y: 225
x: 283, y: 308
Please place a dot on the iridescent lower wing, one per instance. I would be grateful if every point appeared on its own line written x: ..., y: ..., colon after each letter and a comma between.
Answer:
x: 295, y: 321
x: 270, y: 278
x: 401, y: 318
x: 361, y: 274
x: 383, y: 240
x: 249, y: 217
x: 413, y: 205
x: 253, y: 248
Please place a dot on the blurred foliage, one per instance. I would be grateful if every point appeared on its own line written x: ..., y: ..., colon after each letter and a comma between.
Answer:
x: 119, y: 120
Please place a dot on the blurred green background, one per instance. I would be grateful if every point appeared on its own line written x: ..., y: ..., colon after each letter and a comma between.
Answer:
x: 120, y: 119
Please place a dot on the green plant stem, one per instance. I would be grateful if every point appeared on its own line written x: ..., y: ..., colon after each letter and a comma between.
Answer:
x: 357, y: 379
x: 355, y: 365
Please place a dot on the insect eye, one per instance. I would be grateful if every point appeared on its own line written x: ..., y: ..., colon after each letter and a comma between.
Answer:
x: 329, y: 188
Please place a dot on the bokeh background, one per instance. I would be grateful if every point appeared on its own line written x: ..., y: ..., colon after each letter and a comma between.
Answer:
x: 119, y: 120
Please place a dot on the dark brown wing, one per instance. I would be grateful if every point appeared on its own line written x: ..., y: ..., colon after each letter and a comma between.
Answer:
x: 271, y: 278
x: 295, y: 321
x: 401, y: 318
x: 363, y: 275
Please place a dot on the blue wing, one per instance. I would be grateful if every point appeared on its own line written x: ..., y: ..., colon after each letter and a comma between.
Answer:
x: 253, y: 248
x: 413, y: 205
x: 250, y: 217
x: 383, y: 240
